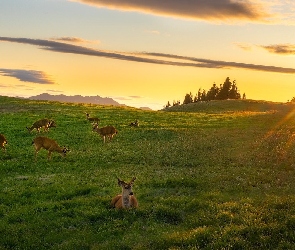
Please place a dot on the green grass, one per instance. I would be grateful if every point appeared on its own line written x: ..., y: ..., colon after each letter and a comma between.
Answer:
x: 220, y: 176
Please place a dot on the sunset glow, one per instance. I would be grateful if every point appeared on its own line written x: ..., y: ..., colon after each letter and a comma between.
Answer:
x: 145, y: 53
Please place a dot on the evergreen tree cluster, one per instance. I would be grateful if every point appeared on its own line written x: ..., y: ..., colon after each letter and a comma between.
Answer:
x: 227, y: 90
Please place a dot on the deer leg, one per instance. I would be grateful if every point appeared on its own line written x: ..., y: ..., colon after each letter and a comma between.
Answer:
x: 116, y: 201
x: 133, y: 201
x: 36, y: 152
x: 49, y: 155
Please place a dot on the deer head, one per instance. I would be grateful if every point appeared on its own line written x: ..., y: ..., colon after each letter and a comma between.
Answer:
x: 126, y: 187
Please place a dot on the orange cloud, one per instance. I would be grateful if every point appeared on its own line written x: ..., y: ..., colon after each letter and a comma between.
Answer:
x: 224, y: 10
x: 23, y: 75
x: 243, y: 46
x: 153, y: 58
x: 73, y: 40
x: 282, y: 49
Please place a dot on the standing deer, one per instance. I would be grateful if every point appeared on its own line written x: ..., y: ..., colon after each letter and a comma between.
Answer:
x: 48, y: 144
x: 45, y: 123
x: 126, y: 199
x: 92, y: 119
x: 3, y: 141
x: 108, y: 131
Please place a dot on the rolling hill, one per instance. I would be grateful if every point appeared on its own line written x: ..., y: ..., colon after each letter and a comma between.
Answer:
x: 228, y: 106
x: 219, y: 177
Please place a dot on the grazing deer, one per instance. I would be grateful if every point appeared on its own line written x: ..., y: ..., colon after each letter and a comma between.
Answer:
x: 3, y: 141
x: 45, y: 123
x: 134, y: 124
x: 48, y: 144
x: 126, y: 199
x: 92, y: 119
x: 108, y: 131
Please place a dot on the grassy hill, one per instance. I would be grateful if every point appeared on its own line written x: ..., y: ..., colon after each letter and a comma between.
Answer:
x: 228, y: 106
x: 218, y: 177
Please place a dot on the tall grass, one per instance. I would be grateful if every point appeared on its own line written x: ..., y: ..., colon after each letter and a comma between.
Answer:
x: 206, y: 179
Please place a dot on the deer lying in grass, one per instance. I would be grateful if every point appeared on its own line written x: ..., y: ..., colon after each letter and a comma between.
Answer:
x: 48, y: 144
x: 134, y: 124
x: 3, y: 141
x: 126, y: 199
x: 45, y: 123
x: 92, y: 119
x: 108, y: 131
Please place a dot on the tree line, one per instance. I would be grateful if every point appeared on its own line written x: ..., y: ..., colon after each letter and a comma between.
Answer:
x: 227, y: 90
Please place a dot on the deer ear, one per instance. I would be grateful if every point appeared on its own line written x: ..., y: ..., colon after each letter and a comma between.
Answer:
x: 133, y: 179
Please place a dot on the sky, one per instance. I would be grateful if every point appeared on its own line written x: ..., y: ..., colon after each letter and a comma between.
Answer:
x: 146, y: 53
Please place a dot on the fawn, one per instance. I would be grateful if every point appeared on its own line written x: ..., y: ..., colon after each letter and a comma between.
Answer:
x: 126, y: 199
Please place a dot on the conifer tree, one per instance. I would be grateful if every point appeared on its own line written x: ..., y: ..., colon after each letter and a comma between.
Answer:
x: 188, y: 98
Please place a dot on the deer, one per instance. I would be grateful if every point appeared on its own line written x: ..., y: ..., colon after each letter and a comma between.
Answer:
x: 92, y: 119
x: 127, y: 199
x: 134, y: 124
x: 108, y: 131
x: 45, y: 123
x: 50, y: 145
x: 3, y: 141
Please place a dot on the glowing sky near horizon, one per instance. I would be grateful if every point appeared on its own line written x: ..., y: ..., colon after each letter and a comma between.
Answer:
x: 146, y: 53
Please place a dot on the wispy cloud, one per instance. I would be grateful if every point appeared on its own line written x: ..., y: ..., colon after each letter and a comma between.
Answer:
x: 135, y: 96
x: 23, y: 75
x: 54, y: 91
x: 153, y: 58
x: 126, y: 98
x: 154, y: 32
x: 244, y: 46
x: 191, y: 9
x: 2, y: 85
x: 282, y: 49
x: 121, y: 98
x: 73, y: 40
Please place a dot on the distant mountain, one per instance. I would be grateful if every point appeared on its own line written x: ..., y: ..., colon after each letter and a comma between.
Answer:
x: 77, y: 99
x: 145, y: 108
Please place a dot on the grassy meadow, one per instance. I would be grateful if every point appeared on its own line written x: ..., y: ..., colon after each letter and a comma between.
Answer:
x: 217, y: 175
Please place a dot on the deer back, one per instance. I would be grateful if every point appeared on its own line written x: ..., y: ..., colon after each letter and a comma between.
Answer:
x: 92, y: 119
x: 47, y: 143
x: 108, y: 130
x: 41, y: 123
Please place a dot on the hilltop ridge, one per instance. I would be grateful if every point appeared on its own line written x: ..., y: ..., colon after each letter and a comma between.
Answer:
x: 219, y: 106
